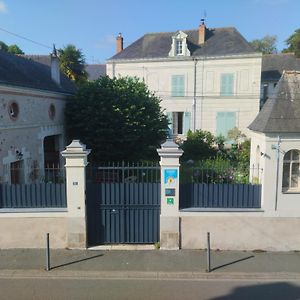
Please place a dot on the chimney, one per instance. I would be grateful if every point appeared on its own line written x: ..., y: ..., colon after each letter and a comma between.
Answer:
x: 202, y: 32
x: 119, y: 44
x: 55, y: 71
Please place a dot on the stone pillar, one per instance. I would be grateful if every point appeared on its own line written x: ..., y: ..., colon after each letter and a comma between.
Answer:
x: 169, y: 216
x: 76, y: 161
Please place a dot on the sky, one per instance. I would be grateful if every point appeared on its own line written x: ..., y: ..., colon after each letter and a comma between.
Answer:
x: 92, y: 25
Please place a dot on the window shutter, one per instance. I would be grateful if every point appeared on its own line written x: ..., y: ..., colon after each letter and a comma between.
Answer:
x: 186, y: 122
x: 226, y: 84
x: 177, y: 87
x: 170, y: 118
x: 225, y: 122
x: 221, y: 119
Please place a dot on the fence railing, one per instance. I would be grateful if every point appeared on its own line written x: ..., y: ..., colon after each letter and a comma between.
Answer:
x: 36, y: 195
x: 224, y: 196
x: 140, y: 172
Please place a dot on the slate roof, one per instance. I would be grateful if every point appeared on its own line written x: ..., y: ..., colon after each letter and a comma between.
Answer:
x: 22, y: 72
x: 95, y: 71
x: 274, y: 64
x: 281, y: 112
x: 219, y: 41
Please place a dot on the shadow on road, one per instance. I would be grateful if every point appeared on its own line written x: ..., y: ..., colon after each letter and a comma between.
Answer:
x: 76, y: 261
x: 232, y: 262
x: 269, y: 291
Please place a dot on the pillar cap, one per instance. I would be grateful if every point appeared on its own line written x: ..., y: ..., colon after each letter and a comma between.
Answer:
x: 169, y: 149
x: 76, y: 148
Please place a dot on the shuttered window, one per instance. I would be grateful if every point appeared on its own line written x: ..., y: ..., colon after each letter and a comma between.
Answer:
x: 177, y: 86
x: 226, y: 84
x: 225, y: 122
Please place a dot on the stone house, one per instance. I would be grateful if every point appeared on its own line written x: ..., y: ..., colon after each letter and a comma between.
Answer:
x: 32, y: 101
x: 207, y: 78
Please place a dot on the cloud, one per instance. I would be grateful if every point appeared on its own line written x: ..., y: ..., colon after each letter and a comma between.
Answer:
x: 3, y: 7
x: 106, y: 42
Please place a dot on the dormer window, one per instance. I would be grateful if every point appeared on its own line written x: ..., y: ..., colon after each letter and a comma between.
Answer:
x: 179, y: 45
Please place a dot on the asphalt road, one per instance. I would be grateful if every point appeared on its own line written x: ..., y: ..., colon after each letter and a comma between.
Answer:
x: 146, y: 289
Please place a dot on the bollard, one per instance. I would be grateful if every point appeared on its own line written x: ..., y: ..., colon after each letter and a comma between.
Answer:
x: 48, y: 268
x: 208, y: 269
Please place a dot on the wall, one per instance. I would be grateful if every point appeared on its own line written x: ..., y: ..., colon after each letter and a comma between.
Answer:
x: 157, y: 74
x: 28, y: 230
x: 240, y: 232
x: 27, y: 132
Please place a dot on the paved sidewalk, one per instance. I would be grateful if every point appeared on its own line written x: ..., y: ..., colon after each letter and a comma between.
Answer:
x: 151, y: 263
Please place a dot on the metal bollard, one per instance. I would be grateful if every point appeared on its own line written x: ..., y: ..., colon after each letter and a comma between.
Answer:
x: 208, y: 268
x: 48, y: 267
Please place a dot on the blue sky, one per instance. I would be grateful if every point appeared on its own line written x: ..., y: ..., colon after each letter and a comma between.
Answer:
x: 92, y: 25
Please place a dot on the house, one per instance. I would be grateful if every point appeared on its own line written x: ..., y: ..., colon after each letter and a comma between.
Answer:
x: 32, y: 101
x: 272, y: 68
x: 275, y: 146
x: 207, y: 78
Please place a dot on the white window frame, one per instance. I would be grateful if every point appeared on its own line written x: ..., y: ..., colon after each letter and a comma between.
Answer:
x: 289, y: 160
x: 179, y: 47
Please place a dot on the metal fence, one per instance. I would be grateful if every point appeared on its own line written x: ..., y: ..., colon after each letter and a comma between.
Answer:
x: 35, y: 195
x: 121, y: 172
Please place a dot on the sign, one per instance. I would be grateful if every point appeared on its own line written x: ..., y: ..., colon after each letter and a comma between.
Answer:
x: 170, y: 177
x: 170, y: 192
x: 170, y: 201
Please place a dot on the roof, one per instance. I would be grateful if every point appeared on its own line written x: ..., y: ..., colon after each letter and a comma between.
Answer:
x: 219, y: 41
x: 22, y: 72
x: 95, y: 71
x: 274, y: 64
x: 281, y: 112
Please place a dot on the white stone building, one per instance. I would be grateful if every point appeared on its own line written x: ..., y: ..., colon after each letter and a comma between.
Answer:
x: 32, y: 101
x: 207, y: 78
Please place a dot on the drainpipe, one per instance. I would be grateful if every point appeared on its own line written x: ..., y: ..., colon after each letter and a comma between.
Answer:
x: 277, y: 170
x: 195, y: 93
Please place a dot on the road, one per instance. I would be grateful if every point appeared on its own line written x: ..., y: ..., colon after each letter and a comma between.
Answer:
x: 146, y: 289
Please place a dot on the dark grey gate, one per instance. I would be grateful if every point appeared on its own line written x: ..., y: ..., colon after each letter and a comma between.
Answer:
x: 123, y: 204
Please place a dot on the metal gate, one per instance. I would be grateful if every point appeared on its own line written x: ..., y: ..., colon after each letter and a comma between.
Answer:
x: 123, y: 204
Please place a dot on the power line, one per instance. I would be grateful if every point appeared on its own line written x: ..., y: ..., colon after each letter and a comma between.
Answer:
x: 25, y: 38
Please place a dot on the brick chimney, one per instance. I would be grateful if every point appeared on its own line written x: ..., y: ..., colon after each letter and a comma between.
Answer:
x: 201, y: 33
x: 119, y: 43
x: 55, y: 71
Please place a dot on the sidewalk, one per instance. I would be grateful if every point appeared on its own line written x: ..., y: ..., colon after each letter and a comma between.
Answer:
x: 151, y: 264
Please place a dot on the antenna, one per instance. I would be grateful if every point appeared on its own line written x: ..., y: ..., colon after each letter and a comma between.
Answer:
x: 204, y: 17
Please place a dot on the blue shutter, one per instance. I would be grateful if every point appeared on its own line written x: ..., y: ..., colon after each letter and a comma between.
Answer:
x: 226, y: 85
x: 225, y: 122
x: 170, y: 118
x: 177, y: 86
x: 186, y: 122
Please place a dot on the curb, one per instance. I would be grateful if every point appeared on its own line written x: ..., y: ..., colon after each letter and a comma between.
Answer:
x: 138, y: 275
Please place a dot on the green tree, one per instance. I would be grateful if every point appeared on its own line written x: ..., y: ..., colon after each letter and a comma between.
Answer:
x: 119, y: 119
x: 3, y: 46
x: 293, y: 43
x: 14, y: 49
x: 72, y: 63
x: 199, y: 145
x: 266, y: 45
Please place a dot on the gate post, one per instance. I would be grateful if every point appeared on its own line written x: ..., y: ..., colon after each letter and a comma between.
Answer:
x: 76, y: 161
x: 169, y: 216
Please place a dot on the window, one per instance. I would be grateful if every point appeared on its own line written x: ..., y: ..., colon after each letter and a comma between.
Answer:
x: 13, y: 110
x: 179, y: 122
x: 52, y: 111
x: 16, y: 172
x: 226, y: 85
x: 179, y: 47
x: 225, y: 122
x: 177, y: 86
x: 291, y: 174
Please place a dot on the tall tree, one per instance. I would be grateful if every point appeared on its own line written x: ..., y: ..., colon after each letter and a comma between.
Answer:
x: 119, y: 119
x: 3, y: 46
x: 293, y: 43
x: 266, y: 45
x: 72, y: 63
x: 14, y: 49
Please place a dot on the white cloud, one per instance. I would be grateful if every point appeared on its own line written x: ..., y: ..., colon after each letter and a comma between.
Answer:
x: 106, y: 41
x: 3, y: 7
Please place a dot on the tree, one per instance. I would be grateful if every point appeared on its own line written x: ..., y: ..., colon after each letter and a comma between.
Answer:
x: 293, y: 43
x: 266, y: 45
x: 72, y: 63
x: 119, y: 119
x: 14, y: 49
x: 3, y: 46
x: 199, y: 145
